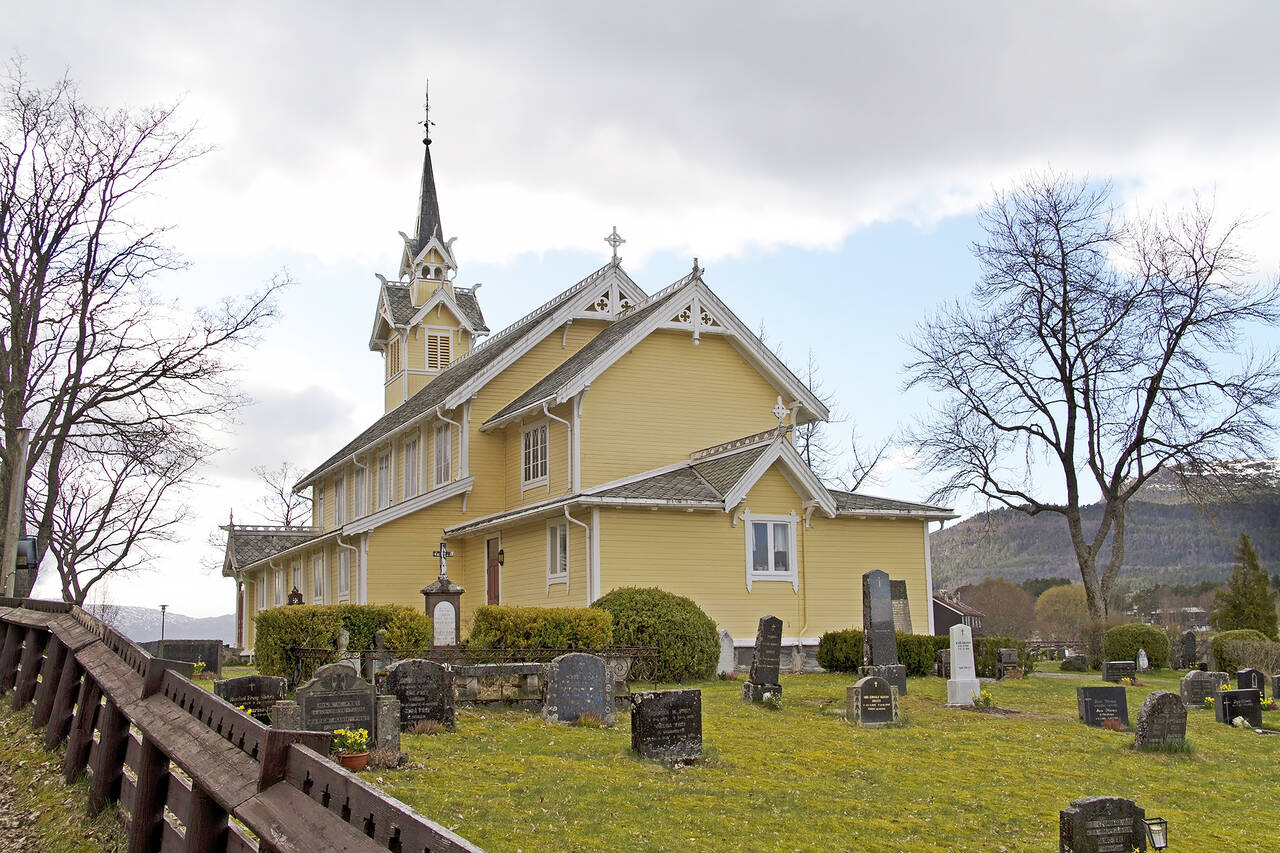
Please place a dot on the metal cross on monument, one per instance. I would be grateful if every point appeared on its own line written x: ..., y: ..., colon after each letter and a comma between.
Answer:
x: 444, y: 555
x: 615, y: 240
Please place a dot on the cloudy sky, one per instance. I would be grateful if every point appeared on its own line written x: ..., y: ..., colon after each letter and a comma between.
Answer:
x: 823, y: 163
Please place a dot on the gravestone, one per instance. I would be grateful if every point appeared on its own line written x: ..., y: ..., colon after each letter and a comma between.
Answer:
x: 1144, y: 662
x: 424, y: 688
x: 1188, y: 649
x: 942, y: 663
x: 1099, y: 705
x: 1199, y: 685
x: 578, y: 684
x: 667, y: 725
x: 386, y: 734
x: 1229, y: 704
x: 1161, y: 719
x: 443, y: 619
x: 1007, y: 663
x: 901, y: 607
x: 1252, y: 679
x: 1114, y: 670
x: 337, y: 698
x: 1102, y: 825
x: 726, y: 663
x: 208, y: 652
x: 765, y: 660
x: 380, y: 657
x: 963, y: 683
x: 879, y: 642
x: 286, y: 714
x: 871, y: 703
x: 257, y: 694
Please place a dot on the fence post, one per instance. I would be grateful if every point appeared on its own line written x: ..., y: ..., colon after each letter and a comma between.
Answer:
x: 108, y: 765
x: 206, y: 823
x: 55, y: 657
x: 81, y: 737
x: 147, y: 818
x: 9, y: 657
x: 60, y: 715
x: 25, y: 687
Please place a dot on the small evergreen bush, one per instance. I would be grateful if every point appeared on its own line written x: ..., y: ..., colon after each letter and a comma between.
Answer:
x: 688, y: 645
x: 1075, y: 663
x: 497, y: 627
x: 1222, y: 653
x: 840, y: 651
x: 1264, y: 656
x: 317, y: 627
x: 919, y: 652
x: 1123, y: 641
x: 408, y: 630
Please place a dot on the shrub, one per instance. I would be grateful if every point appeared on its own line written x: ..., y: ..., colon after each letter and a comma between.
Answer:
x: 919, y: 652
x: 840, y: 651
x: 1075, y: 663
x: 1222, y: 656
x: 408, y: 630
x: 318, y: 626
x: 1123, y: 641
x: 1264, y: 656
x: 986, y: 655
x: 540, y: 628
x: 688, y: 645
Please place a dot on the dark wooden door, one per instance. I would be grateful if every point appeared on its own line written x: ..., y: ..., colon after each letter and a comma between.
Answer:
x: 492, y: 570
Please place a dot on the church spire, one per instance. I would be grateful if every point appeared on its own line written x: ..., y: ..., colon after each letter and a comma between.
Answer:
x: 428, y: 205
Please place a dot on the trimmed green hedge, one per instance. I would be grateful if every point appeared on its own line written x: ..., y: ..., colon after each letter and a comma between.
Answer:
x: 497, y: 627
x: 318, y: 626
x: 841, y: 651
x: 688, y: 645
x: 1222, y: 653
x: 1123, y: 641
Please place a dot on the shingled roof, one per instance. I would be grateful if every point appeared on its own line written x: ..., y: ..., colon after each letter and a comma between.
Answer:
x: 682, y: 484
x: 402, y: 308
x: 252, y: 543
x: 853, y: 503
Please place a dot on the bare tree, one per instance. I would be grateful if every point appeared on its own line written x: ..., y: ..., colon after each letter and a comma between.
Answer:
x: 862, y: 461
x: 280, y: 505
x: 89, y: 357
x: 1093, y: 355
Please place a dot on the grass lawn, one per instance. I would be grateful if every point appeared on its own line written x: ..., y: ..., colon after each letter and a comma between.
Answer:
x: 804, y: 779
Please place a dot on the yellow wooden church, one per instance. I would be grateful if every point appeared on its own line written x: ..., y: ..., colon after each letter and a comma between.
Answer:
x: 610, y: 437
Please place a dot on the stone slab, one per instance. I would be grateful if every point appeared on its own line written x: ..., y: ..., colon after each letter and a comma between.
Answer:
x: 879, y: 642
x: 725, y: 665
x: 1098, y: 705
x: 1114, y: 670
x: 1198, y: 685
x: 767, y: 657
x: 667, y: 725
x: 871, y: 703
x: 1161, y: 719
x: 424, y: 690
x: 1229, y: 704
x: 895, y: 674
x: 336, y: 698
x: 578, y: 684
x: 1102, y: 825
x: 257, y: 694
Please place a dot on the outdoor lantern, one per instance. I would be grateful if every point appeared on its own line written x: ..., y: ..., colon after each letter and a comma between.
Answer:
x: 502, y: 557
x: 1157, y: 832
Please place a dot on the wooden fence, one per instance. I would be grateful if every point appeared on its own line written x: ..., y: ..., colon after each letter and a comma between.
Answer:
x: 189, y: 771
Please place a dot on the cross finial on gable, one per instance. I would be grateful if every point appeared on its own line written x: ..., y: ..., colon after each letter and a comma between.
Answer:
x: 780, y: 412
x: 615, y: 240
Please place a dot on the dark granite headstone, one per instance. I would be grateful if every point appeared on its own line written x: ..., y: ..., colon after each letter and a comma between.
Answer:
x: 1252, y: 679
x: 1099, y: 705
x: 1188, y: 644
x: 942, y: 667
x: 424, y: 688
x: 1199, y: 685
x: 879, y: 644
x: 765, y: 660
x: 1229, y: 704
x: 901, y: 607
x: 667, y: 725
x: 872, y: 702
x: 1114, y: 670
x: 578, y: 684
x: 257, y: 694
x: 189, y: 651
x: 1102, y: 825
x: 337, y: 698
x: 1161, y: 719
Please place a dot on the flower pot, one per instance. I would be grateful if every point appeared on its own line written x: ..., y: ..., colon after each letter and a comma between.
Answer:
x: 354, y: 761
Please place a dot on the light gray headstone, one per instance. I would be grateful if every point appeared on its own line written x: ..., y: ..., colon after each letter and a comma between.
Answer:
x: 443, y: 621
x: 725, y: 666
x: 578, y: 684
x: 1143, y: 662
x: 963, y: 683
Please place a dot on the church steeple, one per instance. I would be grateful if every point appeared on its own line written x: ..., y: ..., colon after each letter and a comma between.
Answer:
x: 428, y: 205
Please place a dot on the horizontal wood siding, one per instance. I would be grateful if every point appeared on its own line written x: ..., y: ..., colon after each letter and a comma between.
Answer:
x: 667, y: 398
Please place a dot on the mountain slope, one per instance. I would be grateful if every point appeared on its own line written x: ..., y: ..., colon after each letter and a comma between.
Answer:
x: 142, y: 624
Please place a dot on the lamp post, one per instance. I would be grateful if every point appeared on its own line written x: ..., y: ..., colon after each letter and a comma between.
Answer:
x: 163, y: 608
x: 1157, y: 832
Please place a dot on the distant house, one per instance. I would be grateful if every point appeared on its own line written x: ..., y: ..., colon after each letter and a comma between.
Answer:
x: 949, y: 610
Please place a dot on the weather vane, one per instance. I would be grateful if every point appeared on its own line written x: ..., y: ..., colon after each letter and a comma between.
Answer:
x: 426, y: 114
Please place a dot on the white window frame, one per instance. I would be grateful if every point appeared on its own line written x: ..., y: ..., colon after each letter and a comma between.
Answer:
x: 278, y: 593
x: 296, y: 576
x: 443, y: 452
x: 383, y: 484
x: 339, y: 501
x: 558, y: 552
x: 319, y: 502
x: 261, y: 585
x: 541, y: 434
x: 444, y: 349
x: 359, y: 493
x: 410, y: 453
x: 792, y: 574
x: 344, y: 574
x: 317, y: 578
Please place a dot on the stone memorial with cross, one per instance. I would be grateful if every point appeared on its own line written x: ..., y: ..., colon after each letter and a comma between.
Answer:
x: 963, y: 684
x: 442, y: 604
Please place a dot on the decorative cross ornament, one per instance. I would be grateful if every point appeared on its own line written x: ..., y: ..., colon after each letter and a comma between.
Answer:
x: 779, y: 411
x: 615, y: 241
x: 444, y: 555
